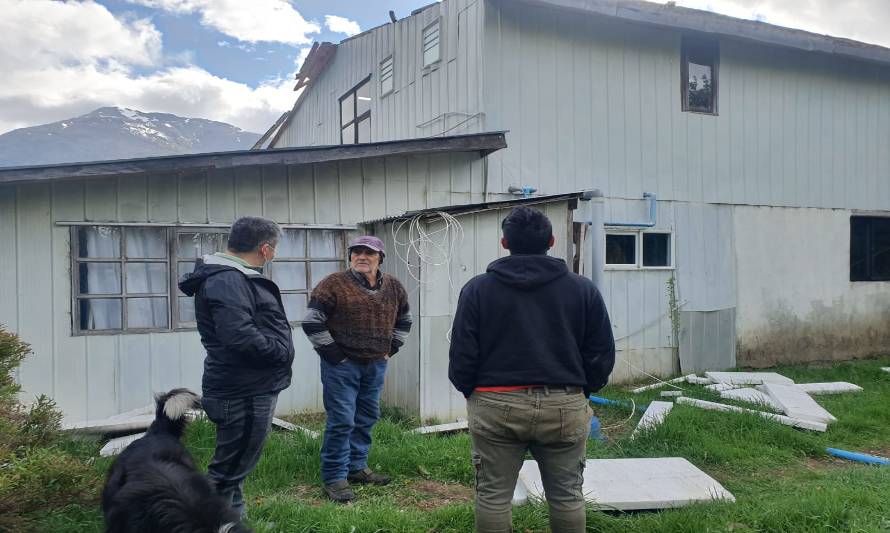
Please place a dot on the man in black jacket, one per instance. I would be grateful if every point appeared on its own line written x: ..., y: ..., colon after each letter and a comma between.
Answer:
x: 249, y: 347
x: 530, y: 341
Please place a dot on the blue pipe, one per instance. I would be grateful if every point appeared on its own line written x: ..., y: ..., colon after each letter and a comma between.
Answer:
x: 860, y: 457
x: 653, y: 215
x: 641, y: 407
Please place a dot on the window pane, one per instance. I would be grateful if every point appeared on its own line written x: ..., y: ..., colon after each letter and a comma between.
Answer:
x: 214, y: 242
x: 621, y: 249
x: 147, y: 278
x: 184, y: 268
x: 194, y: 245
x: 146, y: 242
x: 363, y: 99
x: 364, y: 131
x: 386, y: 85
x: 431, y: 56
x: 186, y: 309
x: 292, y: 244
x: 100, y: 314
x: 656, y: 249
x: 348, y: 134
x: 347, y: 109
x: 147, y: 313
x: 289, y: 276
x: 880, y: 248
x: 99, y: 241
x: 100, y: 278
x: 324, y: 243
x: 431, y: 45
x: 294, y: 306
x: 700, y: 90
x: 320, y: 270
x: 858, y: 249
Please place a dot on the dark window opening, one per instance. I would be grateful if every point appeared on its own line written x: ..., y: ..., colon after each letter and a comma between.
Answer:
x: 869, y: 249
x: 355, y: 114
x: 699, y: 75
x: 656, y: 249
x: 621, y: 249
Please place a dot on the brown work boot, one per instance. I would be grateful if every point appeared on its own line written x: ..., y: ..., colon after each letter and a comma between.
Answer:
x: 339, y: 491
x: 366, y: 475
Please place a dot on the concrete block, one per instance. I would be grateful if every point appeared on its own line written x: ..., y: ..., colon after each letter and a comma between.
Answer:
x: 671, y: 393
x: 788, y: 421
x: 695, y: 380
x: 751, y: 396
x: 661, y: 384
x: 796, y: 403
x: 748, y: 378
x: 460, y: 425
x: 654, y: 415
x: 116, y: 446
x: 633, y: 484
x: 720, y: 387
x: 834, y: 387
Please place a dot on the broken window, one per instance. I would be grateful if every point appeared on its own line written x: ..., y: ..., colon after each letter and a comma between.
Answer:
x: 869, y: 248
x: 699, y: 75
x: 355, y: 114
x: 386, y: 76
x: 431, y: 48
x: 123, y: 276
x: 638, y: 249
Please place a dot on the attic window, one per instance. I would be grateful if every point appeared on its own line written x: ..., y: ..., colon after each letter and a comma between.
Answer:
x: 355, y: 114
x: 386, y: 78
x: 698, y: 76
x: 431, y: 49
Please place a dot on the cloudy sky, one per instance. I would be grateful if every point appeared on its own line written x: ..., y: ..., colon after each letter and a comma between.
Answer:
x: 234, y: 60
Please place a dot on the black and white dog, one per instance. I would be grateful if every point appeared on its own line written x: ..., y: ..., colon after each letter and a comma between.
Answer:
x: 154, y: 485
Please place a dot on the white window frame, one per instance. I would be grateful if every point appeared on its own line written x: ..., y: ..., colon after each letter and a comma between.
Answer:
x: 423, y: 45
x: 638, y: 243
x: 387, y: 76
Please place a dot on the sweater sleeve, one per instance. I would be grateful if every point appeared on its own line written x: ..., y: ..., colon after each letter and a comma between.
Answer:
x: 599, y: 346
x: 322, y: 303
x: 463, y: 355
x: 404, y: 320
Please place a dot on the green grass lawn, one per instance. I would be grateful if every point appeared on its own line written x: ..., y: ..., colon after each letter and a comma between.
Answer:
x: 780, y: 476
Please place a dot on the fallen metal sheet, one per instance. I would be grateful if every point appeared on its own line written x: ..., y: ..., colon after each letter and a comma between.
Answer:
x: 284, y: 424
x: 751, y: 396
x: 695, y: 380
x: 116, y: 446
x: 788, y: 421
x: 796, y: 403
x: 654, y: 415
x: 115, y: 424
x: 633, y: 484
x: 720, y: 387
x: 749, y: 378
x: 671, y: 393
x: 661, y: 384
x: 460, y: 425
x: 834, y: 387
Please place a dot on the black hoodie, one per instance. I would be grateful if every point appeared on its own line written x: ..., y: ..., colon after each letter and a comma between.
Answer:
x: 529, y: 321
x: 243, y: 327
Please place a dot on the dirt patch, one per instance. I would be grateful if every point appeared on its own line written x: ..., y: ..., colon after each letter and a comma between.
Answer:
x: 428, y: 495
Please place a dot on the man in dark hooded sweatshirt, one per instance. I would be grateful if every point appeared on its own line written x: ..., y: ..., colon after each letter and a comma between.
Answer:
x: 249, y: 347
x: 530, y: 341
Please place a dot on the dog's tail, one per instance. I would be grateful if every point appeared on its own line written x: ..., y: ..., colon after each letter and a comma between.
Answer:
x: 171, y: 409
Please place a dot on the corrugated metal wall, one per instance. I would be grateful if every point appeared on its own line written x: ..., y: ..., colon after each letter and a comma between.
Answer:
x: 421, y: 97
x: 96, y: 376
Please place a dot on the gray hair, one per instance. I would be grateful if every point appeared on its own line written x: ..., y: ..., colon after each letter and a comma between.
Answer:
x: 249, y: 233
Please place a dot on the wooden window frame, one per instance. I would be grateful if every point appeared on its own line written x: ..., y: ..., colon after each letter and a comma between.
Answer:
x: 356, y: 119
x: 700, y: 43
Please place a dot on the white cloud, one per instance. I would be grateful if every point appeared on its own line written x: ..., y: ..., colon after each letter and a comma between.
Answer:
x: 64, y: 59
x: 862, y: 20
x: 342, y: 25
x: 246, y: 20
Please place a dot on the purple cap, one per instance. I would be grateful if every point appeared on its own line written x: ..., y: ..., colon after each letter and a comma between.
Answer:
x: 368, y: 241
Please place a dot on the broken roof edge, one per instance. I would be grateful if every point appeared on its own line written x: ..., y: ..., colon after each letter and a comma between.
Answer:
x: 684, y: 18
x: 464, y: 209
x: 484, y: 143
x: 271, y: 131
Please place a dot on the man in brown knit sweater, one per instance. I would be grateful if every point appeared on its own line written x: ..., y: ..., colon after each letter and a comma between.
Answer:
x: 357, y: 319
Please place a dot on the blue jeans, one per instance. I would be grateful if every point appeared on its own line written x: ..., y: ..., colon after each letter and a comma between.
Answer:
x: 352, y: 402
x: 242, y: 426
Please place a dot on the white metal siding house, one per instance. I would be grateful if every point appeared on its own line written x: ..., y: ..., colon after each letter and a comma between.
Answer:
x: 766, y: 148
x: 92, y: 252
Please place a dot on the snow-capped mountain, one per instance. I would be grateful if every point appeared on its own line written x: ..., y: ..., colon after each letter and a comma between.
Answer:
x: 118, y: 133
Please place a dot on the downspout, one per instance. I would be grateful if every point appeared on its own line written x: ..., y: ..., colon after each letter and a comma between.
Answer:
x: 653, y: 215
